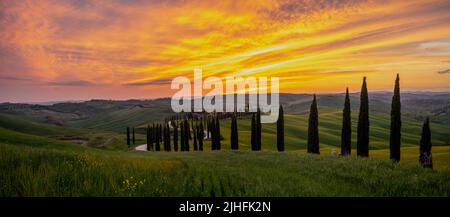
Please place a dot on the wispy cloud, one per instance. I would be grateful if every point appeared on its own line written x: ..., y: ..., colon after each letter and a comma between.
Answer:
x: 150, y: 83
x: 75, y: 83
x: 11, y: 78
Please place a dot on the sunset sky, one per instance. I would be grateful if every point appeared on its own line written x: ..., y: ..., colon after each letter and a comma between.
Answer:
x: 79, y: 49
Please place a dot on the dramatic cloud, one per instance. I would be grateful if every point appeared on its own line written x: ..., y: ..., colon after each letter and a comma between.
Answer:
x: 136, y: 46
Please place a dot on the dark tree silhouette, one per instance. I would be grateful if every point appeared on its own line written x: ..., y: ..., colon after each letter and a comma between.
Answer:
x: 161, y: 133
x: 217, y: 129
x: 158, y: 137
x: 208, y: 128
x: 201, y: 135
x: 128, y: 137
x: 168, y: 137
x: 165, y: 137
x: 346, y: 133
x: 186, y: 135
x: 280, y: 129
x: 154, y: 136
x: 425, y: 157
x: 189, y: 130
x: 396, y: 123
x: 313, y: 128
x: 258, y: 130
x: 148, y: 137
x: 253, y: 133
x: 182, y: 143
x: 195, y: 137
x: 234, y: 140
x: 175, y: 136
x: 362, y: 143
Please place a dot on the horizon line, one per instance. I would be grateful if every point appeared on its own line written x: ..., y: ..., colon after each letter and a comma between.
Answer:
x: 52, y: 102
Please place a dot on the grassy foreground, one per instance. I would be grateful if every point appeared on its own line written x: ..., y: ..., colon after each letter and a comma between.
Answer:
x: 36, y: 171
x: 37, y: 159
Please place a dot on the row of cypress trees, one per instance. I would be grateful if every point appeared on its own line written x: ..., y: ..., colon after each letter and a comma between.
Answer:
x: 130, y: 138
x: 362, y: 143
x: 159, y: 133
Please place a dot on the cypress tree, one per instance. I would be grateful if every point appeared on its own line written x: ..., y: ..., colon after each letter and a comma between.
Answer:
x: 396, y: 123
x: 236, y: 132
x: 182, y: 136
x: 258, y: 130
x: 425, y: 157
x: 280, y: 129
x: 234, y: 140
x: 211, y: 127
x: 217, y: 129
x: 161, y: 133
x: 158, y: 137
x: 189, y: 130
x: 154, y: 137
x: 134, y: 138
x: 253, y: 133
x: 175, y: 137
x: 362, y: 143
x: 148, y: 137
x: 211, y: 130
x: 168, y: 137
x: 232, y: 133
x: 207, y: 126
x: 201, y: 135
x: 186, y: 135
x: 128, y: 137
x: 194, y: 135
x: 313, y: 128
x: 346, y: 133
x: 165, y: 137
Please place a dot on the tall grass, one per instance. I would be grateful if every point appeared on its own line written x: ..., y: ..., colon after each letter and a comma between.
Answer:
x: 31, y: 171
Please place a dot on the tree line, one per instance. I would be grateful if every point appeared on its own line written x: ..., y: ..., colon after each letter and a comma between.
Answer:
x: 182, y: 130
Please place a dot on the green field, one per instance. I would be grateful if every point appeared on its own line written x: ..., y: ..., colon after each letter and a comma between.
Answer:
x: 28, y: 171
x: 40, y: 158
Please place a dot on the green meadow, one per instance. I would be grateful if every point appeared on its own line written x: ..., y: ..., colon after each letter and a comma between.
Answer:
x: 31, y: 171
